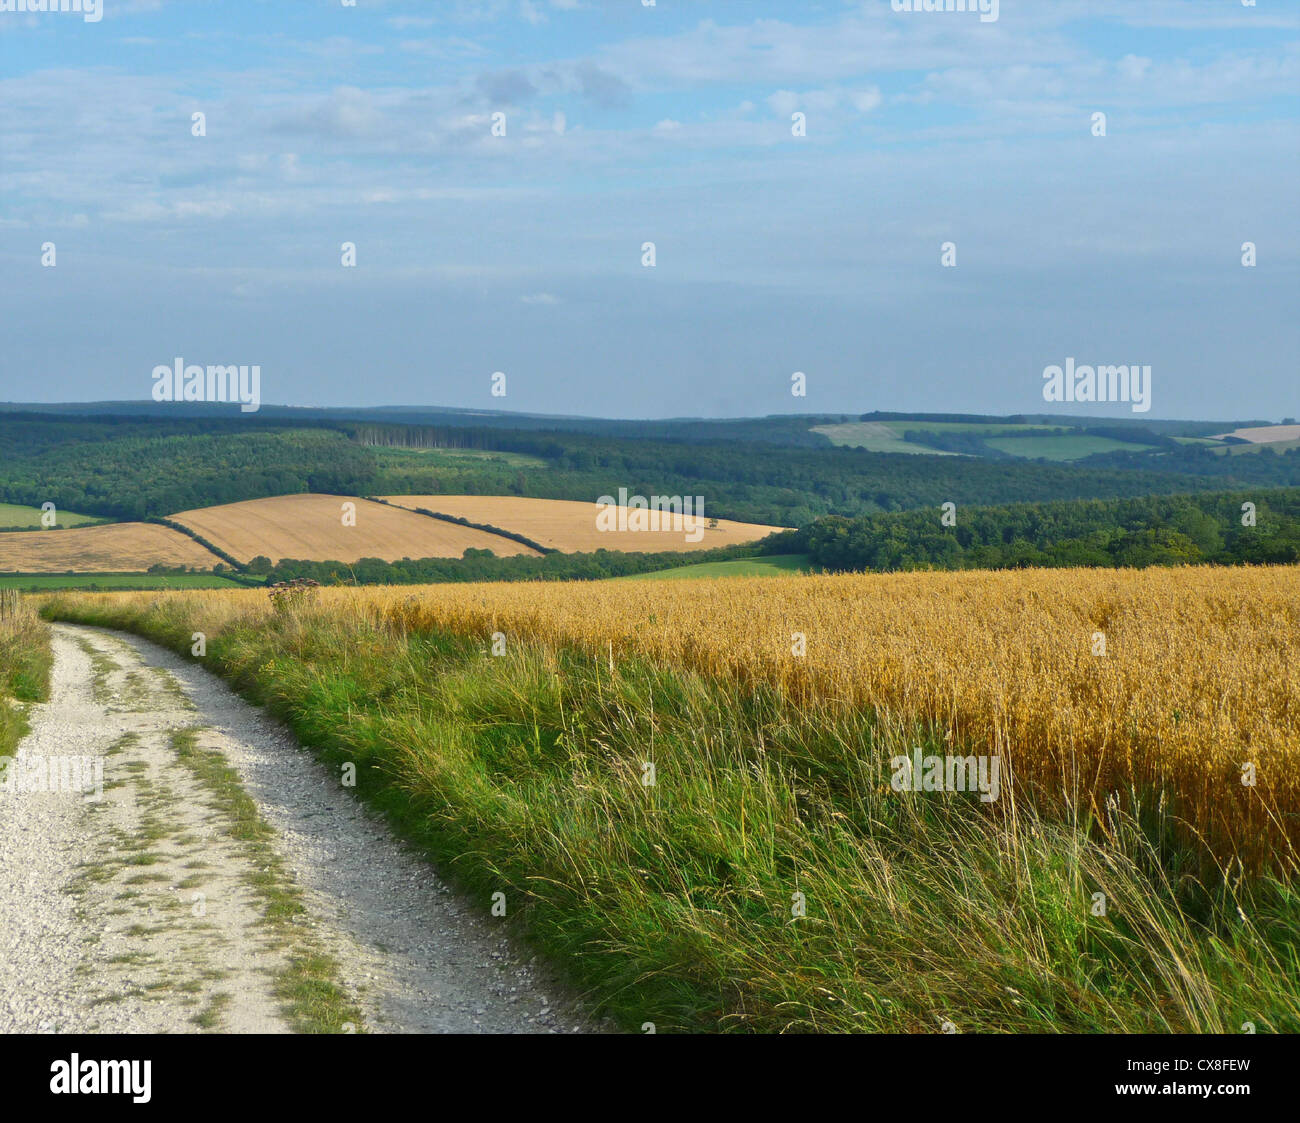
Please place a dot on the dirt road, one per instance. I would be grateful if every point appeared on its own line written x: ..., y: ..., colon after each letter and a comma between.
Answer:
x: 216, y: 878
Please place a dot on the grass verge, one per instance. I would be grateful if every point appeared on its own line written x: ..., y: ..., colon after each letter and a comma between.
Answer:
x: 25, y: 662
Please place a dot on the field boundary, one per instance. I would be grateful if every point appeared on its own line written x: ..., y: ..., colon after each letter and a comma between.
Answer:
x: 172, y: 524
x: 485, y: 527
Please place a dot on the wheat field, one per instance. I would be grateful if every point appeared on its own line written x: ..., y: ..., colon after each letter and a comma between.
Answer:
x: 1199, y: 684
x: 112, y: 548
x: 311, y: 528
x: 570, y: 527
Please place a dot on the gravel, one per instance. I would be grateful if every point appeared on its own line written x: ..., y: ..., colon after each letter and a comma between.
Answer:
x: 123, y: 953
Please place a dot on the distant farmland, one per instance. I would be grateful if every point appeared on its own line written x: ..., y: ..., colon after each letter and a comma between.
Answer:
x: 311, y: 528
x: 562, y: 524
x: 112, y: 548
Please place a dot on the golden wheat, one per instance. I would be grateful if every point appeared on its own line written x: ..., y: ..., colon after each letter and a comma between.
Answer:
x: 1199, y: 684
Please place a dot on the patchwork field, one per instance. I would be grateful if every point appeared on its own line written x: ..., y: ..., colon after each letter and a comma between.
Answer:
x: 311, y: 528
x: 568, y: 526
x: 112, y: 548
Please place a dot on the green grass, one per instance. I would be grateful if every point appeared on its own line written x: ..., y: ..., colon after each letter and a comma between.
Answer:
x: 25, y: 661
x: 13, y: 515
x: 1037, y: 442
x: 901, y: 427
x: 877, y: 436
x: 1066, y: 446
x: 674, y: 903
x: 774, y: 565
x: 48, y: 582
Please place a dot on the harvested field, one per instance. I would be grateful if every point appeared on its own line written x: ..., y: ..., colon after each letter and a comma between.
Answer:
x: 311, y: 528
x: 1266, y: 434
x: 112, y: 548
x: 570, y: 526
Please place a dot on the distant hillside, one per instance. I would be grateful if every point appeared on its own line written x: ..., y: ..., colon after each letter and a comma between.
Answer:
x: 140, y: 467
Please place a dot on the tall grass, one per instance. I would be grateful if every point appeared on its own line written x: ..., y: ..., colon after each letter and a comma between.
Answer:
x: 680, y: 903
x: 25, y: 661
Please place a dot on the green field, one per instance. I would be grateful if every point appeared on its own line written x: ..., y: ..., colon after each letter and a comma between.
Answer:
x: 878, y: 436
x: 47, y: 582
x: 12, y: 515
x: 777, y: 565
x: 1066, y: 446
x: 1038, y: 441
x: 902, y: 427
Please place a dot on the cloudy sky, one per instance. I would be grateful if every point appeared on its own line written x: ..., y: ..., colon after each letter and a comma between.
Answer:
x: 671, y: 124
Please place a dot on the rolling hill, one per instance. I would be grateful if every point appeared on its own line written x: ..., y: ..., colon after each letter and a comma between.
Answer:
x: 311, y: 528
x: 570, y: 526
x: 111, y: 548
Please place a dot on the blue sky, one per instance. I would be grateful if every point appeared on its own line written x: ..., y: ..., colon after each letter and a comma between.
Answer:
x: 671, y: 124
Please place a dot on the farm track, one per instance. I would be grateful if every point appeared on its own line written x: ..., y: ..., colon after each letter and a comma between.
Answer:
x: 141, y: 911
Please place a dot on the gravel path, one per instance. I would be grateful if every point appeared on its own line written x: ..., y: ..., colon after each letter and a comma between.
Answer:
x: 134, y: 911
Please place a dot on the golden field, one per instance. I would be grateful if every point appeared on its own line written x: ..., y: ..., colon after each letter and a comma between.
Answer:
x: 111, y: 548
x: 1201, y: 674
x: 310, y: 528
x: 570, y: 527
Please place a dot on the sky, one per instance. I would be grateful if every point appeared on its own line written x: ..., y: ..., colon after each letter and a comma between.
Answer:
x: 777, y: 248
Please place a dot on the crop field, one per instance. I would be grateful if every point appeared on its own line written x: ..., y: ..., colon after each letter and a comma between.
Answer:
x: 875, y: 436
x: 653, y: 779
x: 1200, y: 675
x: 1201, y: 672
x: 311, y: 528
x: 569, y: 526
x: 14, y: 515
x: 771, y: 565
x: 42, y: 582
x: 1030, y: 442
x: 1071, y: 446
x: 111, y: 548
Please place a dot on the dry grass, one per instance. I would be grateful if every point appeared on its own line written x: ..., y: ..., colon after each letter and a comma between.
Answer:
x: 310, y: 528
x: 570, y: 526
x: 112, y: 548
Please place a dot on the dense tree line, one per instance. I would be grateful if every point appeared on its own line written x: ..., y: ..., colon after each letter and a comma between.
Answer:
x: 1155, y: 530
x: 783, y: 486
x: 483, y: 565
x: 136, y: 468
